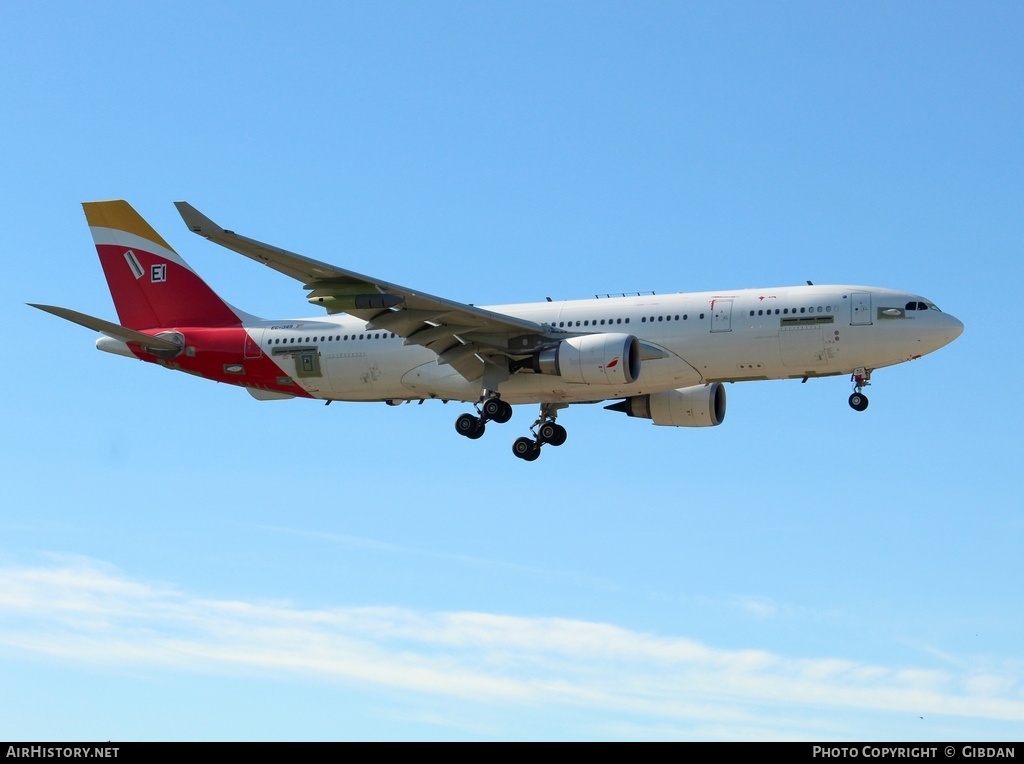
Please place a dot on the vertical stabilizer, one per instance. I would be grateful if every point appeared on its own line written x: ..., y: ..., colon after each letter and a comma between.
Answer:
x: 151, y: 285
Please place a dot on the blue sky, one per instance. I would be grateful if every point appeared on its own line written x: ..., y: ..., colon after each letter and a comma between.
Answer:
x: 179, y: 561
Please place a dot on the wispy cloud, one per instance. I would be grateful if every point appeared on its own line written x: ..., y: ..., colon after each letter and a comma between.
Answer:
x: 84, y: 611
x: 758, y: 607
x: 361, y: 542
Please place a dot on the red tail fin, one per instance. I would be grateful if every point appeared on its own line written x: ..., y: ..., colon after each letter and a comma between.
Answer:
x: 151, y: 285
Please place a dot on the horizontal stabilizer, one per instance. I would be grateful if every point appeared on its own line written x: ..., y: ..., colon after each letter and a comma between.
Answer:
x: 109, y: 328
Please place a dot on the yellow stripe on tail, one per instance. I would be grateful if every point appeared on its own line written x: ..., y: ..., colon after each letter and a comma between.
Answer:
x: 120, y: 216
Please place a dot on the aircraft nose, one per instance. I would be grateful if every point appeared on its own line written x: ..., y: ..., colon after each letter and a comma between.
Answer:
x: 948, y: 329
x: 936, y: 330
x: 956, y: 327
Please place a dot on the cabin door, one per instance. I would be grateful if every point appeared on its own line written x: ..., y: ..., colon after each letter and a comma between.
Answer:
x: 721, y: 315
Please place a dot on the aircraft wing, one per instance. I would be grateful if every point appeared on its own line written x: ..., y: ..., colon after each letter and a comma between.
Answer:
x: 461, y: 335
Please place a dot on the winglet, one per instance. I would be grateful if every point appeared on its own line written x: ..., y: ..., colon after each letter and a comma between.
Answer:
x: 196, y: 221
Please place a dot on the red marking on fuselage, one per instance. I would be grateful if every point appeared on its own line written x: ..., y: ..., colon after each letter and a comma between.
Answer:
x: 209, y: 349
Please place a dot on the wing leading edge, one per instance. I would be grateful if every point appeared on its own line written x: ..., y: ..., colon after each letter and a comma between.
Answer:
x: 464, y: 336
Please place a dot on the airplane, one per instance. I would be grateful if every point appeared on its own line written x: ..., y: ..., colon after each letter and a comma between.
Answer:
x: 662, y: 357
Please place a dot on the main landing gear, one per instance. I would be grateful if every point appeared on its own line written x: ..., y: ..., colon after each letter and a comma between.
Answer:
x: 490, y: 409
x: 861, y: 378
x: 545, y: 431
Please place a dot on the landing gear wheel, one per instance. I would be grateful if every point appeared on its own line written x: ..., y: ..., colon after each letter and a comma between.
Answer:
x: 526, y: 449
x: 559, y: 436
x: 505, y: 414
x: 469, y: 426
x: 858, y: 401
x: 496, y: 409
x: 552, y: 433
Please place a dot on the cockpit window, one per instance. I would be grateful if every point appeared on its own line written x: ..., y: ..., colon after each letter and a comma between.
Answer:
x: 916, y: 305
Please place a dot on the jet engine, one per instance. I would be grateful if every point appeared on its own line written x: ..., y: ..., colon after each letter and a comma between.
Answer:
x: 595, y: 359
x: 698, y: 406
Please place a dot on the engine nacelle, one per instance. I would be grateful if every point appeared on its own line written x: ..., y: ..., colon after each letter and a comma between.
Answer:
x: 595, y: 359
x: 699, y: 406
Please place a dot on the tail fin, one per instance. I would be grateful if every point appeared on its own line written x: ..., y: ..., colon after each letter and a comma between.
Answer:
x: 151, y: 285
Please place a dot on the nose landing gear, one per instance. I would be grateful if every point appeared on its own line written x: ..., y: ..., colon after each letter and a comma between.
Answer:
x: 861, y: 378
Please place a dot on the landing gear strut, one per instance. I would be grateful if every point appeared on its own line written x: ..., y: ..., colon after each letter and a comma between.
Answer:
x: 545, y: 431
x: 861, y: 378
x: 490, y: 408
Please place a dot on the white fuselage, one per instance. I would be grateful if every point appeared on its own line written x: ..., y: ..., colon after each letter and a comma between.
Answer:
x: 749, y: 334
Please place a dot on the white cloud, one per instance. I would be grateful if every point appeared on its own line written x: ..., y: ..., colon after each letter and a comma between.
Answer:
x: 82, y: 611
